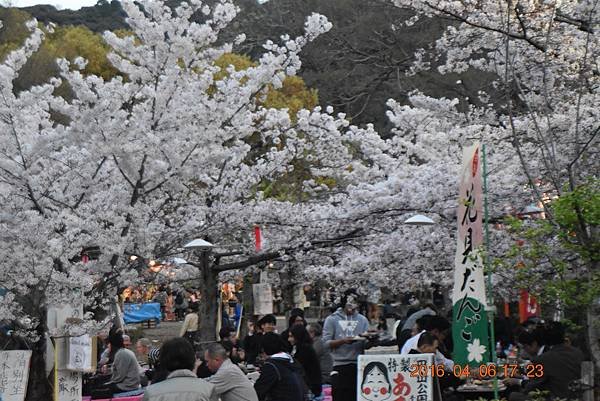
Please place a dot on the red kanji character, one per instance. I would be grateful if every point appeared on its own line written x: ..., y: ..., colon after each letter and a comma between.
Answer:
x: 401, y: 388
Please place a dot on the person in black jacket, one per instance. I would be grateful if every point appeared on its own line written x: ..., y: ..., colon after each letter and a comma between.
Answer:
x: 305, y: 354
x: 555, y: 367
x: 252, y: 344
x: 279, y: 379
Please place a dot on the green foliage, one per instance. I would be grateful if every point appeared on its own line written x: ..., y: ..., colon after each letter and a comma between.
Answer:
x: 67, y: 42
x: 567, y: 246
x: 239, y: 63
x: 578, y: 214
x: 293, y: 95
x: 13, y: 32
x: 73, y: 41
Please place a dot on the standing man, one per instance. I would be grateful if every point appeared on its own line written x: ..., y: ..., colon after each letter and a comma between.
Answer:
x: 340, y: 333
x: 231, y: 384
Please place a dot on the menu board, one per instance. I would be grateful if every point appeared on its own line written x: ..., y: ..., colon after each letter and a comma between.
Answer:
x: 14, y: 373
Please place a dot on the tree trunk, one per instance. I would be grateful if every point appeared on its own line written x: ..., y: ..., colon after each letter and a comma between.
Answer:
x: 248, y: 302
x: 38, y: 385
x: 591, y: 334
x: 208, y: 308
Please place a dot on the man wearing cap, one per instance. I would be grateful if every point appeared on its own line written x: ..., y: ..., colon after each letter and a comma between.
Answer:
x: 340, y: 332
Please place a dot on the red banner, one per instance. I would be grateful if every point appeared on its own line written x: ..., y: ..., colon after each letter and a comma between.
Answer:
x: 528, y: 306
x: 257, y: 239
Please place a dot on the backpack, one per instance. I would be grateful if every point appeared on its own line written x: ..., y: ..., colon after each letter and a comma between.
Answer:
x: 298, y: 372
x: 179, y: 299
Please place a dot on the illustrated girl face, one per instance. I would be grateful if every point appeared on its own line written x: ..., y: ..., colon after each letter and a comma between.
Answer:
x: 375, y: 386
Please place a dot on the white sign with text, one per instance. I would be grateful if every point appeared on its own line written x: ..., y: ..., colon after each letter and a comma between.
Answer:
x: 395, y: 377
x: 14, y: 373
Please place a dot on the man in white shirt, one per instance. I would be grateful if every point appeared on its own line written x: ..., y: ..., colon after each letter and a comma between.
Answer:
x: 439, y: 327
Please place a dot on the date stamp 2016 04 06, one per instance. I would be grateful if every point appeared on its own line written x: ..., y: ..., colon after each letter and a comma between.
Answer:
x: 490, y: 371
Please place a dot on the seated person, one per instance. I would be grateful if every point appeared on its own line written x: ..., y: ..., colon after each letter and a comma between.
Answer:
x: 438, y: 327
x: 177, y: 357
x: 232, y: 344
x: 125, y: 368
x: 279, y: 379
x: 559, y: 365
x: 428, y: 343
x: 532, y: 343
x: 231, y: 384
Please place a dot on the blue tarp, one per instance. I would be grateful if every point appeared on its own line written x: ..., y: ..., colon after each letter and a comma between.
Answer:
x: 136, y: 313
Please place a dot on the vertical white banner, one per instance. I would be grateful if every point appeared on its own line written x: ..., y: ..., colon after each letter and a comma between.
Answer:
x: 470, y: 323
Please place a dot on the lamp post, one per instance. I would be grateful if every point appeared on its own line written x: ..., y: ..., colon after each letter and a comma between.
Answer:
x: 419, y: 220
x: 209, y: 283
x: 203, y: 246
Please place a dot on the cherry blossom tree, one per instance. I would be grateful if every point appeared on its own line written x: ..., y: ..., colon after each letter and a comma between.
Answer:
x: 545, y: 56
x: 158, y: 155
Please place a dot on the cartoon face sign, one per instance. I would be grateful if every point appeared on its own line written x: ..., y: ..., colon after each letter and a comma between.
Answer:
x: 79, y: 359
x: 375, y: 385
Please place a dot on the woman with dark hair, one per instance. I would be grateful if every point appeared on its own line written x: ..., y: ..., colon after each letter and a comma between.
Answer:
x: 296, y: 319
x: 177, y: 357
x: 375, y: 385
x: 305, y: 355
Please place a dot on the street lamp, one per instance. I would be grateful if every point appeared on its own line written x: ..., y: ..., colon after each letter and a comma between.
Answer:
x: 199, y: 244
x: 203, y: 246
x: 419, y: 220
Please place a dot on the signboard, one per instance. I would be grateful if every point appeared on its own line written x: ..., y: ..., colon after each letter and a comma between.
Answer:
x: 395, y: 377
x: 470, y: 323
x: 263, y: 299
x: 80, y: 351
x: 14, y: 373
x: 67, y: 383
x: 68, y: 386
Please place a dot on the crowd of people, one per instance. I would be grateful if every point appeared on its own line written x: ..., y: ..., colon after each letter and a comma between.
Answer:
x: 307, y: 361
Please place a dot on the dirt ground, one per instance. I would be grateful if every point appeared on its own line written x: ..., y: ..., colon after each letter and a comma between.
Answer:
x: 157, y: 334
